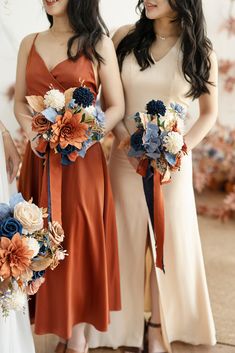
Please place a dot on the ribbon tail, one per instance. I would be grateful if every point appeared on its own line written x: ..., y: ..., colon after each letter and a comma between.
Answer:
x: 159, y: 221
x: 52, y: 186
x: 154, y: 199
x: 55, y: 186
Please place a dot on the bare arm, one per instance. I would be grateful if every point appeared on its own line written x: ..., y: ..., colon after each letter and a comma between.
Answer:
x: 208, y: 110
x: 11, y: 155
x: 112, y: 91
x: 21, y: 108
x: 120, y: 131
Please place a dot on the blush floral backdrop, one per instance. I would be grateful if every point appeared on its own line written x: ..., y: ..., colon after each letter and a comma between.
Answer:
x: 214, y: 159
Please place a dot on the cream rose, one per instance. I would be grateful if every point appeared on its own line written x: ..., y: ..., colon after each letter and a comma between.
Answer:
x: 33, y: 245
x: 30, y: 216
x: 56, y: 232
x: 173, y: 142
x: 169, y: 121
x: 54, y: 99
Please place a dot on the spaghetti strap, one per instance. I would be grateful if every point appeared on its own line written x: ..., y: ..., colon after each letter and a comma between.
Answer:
x: 32, y: 47
x: 76, y: 282
x: 36, y: 35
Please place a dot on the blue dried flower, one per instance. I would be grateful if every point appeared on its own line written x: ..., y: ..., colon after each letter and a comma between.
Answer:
x: 65, y: 152
x: 9, y: 227
x: 178, y: 109
x: 152, y: 141
x: 137, y: 140
x: 5, y: 211
x: 83, y: 97
x: 156, y: 108
x: 37, y: 274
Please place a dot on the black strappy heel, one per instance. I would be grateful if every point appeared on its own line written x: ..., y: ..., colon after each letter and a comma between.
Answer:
x: 152, y: 325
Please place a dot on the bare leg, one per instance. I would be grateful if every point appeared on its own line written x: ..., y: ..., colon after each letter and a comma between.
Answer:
x: 155, y: 340
x: 61, y: 346
x: 77, y: 343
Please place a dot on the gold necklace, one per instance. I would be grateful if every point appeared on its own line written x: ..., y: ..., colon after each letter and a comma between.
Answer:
x: 163, y: 37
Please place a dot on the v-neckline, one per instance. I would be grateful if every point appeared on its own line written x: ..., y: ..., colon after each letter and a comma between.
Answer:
x: 167, y: 53
x: 43, y: 61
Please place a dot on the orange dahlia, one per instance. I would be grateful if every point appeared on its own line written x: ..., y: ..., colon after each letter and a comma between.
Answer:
x: 69, y: 130
x: 15, y: 256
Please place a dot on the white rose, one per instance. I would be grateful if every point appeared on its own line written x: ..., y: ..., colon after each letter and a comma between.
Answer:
x: 60, y: 255
x: 169, y: 121
x: 33, y: 245
x: 30, y: 216
x: 54, y: 99
x: 91, y: 110
x: 173, y: 142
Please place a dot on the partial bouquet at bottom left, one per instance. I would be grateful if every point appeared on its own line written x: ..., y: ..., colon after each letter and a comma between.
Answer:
x: 27, y: 249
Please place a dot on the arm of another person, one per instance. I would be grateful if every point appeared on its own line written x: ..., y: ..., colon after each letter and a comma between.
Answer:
x: 21, y: 108
x: 120, y: 131
x: 111, y: 85
x: 11, y: 154
x: 208, y: 104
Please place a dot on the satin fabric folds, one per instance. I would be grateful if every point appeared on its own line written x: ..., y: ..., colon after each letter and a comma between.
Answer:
x: 85, y: 287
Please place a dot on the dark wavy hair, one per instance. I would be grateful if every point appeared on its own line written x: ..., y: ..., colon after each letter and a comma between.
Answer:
x: 88, y: 25
x: 195, y: 45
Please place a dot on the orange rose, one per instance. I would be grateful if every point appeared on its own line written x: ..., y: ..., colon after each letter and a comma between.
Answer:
x: 40, y: 124
x: 15, y: 256
x: 68, y: 130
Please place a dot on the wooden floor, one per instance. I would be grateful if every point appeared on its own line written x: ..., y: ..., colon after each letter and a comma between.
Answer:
x: 47, y: 344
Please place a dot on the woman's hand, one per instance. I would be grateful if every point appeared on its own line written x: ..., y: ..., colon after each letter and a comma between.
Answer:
x: 12, y: 156
x: 134, y: 162
x: 34, y: 144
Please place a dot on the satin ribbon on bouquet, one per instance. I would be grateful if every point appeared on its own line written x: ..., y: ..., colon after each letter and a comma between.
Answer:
x: 152, y: 181
x: 52, y: 186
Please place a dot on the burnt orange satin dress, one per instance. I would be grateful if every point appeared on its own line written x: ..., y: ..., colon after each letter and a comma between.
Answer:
x: 85, y: 287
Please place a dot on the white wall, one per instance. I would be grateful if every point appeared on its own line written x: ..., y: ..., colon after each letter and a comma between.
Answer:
x: 17, y: 19
x: 118, y: 12
x: 26, y: 16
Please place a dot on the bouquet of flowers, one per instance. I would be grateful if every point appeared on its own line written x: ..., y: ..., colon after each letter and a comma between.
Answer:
x: 159, y: 137
x: 68, y: 122
x: 26, y: 250
x: 159, y: 145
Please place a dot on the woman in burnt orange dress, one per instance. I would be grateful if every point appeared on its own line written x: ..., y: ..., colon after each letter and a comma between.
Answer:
x: 85, y: 287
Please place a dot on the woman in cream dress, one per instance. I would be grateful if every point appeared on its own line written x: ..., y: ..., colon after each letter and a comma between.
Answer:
x: 15, y: 332
x: 179, y: 298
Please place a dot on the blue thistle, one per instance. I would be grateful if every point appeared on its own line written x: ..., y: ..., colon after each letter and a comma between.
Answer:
x: 83, y: 97
x: 156, y: 108
x: 37, y: 274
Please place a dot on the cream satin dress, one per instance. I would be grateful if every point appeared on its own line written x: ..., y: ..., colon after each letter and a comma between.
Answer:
x: 185, y: 307
x: 15, y: 331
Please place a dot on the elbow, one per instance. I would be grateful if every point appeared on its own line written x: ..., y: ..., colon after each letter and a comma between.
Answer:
x: 15, y: 111
x: 16, y: 116
x: 209, y: 117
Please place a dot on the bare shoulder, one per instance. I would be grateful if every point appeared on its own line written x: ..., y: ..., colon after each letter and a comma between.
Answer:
x: 105, y: 46
x: 27, y: 42
x: 214, y: 69
x: 213, y: 59
x: 121, y: 33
